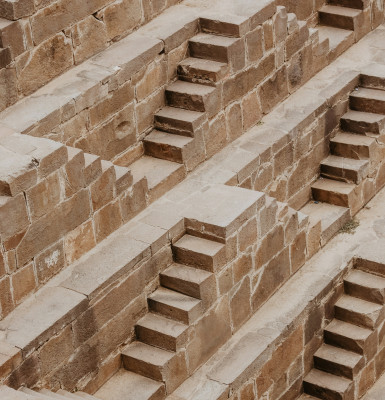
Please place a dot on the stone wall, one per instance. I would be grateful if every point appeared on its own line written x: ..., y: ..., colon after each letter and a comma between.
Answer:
x: 48, y: 37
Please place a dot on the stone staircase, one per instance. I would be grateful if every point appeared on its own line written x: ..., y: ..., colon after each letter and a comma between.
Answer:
x: 350, y: 340
x: 23, y: 393
x: 352, y: 174
x: 160, y: 360
x: 343, y: 22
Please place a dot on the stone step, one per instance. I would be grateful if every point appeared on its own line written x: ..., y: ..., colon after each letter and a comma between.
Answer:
x: 51, y: 395
x: 168, y: 146
x: 373, y: 77
x: 327, y: 386
x: 350, y: 337
x: 339, y: 17
x: 332, y: 218
x: 76, y: 395
x: 158, y: 364
x: 123, y: 179
x: 32, y: 394
x: 194, y: 97
x: 175, y: 305
x: 92, y: 167
x: 161, y: 175
x: 212, y: 47
x: 305, y: 396
x: 345, y: 169
x: 339, y: 39
x: 338, y: 193
x: 358, y: 4
x: 179, y: 121
x: 161, y: 332
x: 190, y: 281
x: 224, y: 25
x: 206, y: 72
x: 363, y: 122
x: 353, y: 146
x: 365, y: 286
x: 359, y: 312
x: 10, y: 394
x: 368, y: 100
x: 337, y: 361
x: 200, y: 253
x: 126, y: 385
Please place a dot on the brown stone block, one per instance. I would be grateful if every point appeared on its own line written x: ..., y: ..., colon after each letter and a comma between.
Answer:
x: 46, y: 61
x: 10, y: 359
x: 135, y: 200
x: 107, y: 220
x: 302, y: 8
x: 268, y: 35
x: 248, y: 235
x: 225, y: 280
x: 27, y: 374
x: 275, y: 273
x: 146, y: 109
x: 280, y: 24
x: 6, y: 300
x: 149, y: 79
x: 367, y: 378
x: 234, y: 121
x: 50, y: 262
x: 254, y: 45
x: 74, y: 172
x: 23, y: 282
x: 247, y: 392
x: 79, y: 241
x: 53, y: 226
x: 296, y: 40
x: 216, y: 135
x: 274, y: 90
x: 242, y: 266
x: 13, y: 216
x: 251, y: 110
x: 102, y: 190
x: 75, y: 127
x: 8, y: 87
x: 89, y: 37
x: 298, y: 252
x: 12, y: 36
x: 271, y: 245
x: 240, y: 307
x: 121, y: 17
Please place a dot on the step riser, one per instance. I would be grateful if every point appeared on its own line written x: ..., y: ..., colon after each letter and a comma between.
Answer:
x: 367, y: 105
x: 372, y: 82
x: 362, y: 127
x: 337, y: 21
x: 365, y: 293
x: 209, y: 52
x: 194, y: 75
x: 337, y: 369
x: 361, y: 347
x: 142, y: 368
x: 185, y: 101
x: 176, y: 127
x: 175, y: 313
x: 158, y: 339
x: 164, y: 152
x: 330, y: 197
x: 327, y: 394
x: 356, y: 318
x: 343, y: 175
x: 350, y: 151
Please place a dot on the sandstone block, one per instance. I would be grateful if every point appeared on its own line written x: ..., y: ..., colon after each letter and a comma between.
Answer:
x: 14, y: 10
x: 12, y: 36
x: 215, y: 135
x: 296, y: 40
x: 298, y: 251
x: 8, y: 87
x: 280, y: 24
x: 50, y: 262
x: 268, y: 35
x: 234, y: 123
x: 23, y: 283
x: 107, y: 220
x: 74, y: 171
x: 135, y: 200
x: 79, y: 241
x: 251, y: 110
x: 273, y: 90
x: 10, y: 359
x: 13, y: 216
x: 240, y: 306
x: 102, y: 190
x: 6, y: 299
x: 150, y: 79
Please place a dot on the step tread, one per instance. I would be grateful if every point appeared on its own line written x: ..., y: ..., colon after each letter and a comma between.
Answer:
x: 334, y: 186
x: 332, y: 382
x: 335, y: 35
x: 204, y: 65
x: 174, y: 299
x: 367, y: 93
x: 193, y: 89
x: 154, y: 169
x: 179, y: 114
x: 199, y: 245
x: 348, y: 330
x: 126, y: 385
x: 166, y: 326
x: 339, y: 10
x: 215, y: 40
x: 357, y: 305
x: 345, y: 163
x: 149, y: 354
x: 353, y: 138
x: 362, y: 116
x: 362, y: 278
x: 169, y: 139
x: 186, y: 273
x: 338, y: 356
x: 76, y: 395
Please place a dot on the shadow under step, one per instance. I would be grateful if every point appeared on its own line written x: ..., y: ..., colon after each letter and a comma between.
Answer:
x: 161, y: 332
x: 345, y: 169
x: 332, y: 218
x: 359, y: 312
x: 368, y: 100
x: 339, y: 39
x: 197, y: 70
x: 327, y: 386
x: 337, y: 361
x: 130, y: 386
x: 365, y: 286
x: 363, y: 122
x: 162, y: 175
x: 353, y: 146
x: 340, y: 17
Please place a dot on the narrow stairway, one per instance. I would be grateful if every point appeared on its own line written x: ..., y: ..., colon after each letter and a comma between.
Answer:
x: 156, y: 363
x: 350, y: 340
x: 343, y: 22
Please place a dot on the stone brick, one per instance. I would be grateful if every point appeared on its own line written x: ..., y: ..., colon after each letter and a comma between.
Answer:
x: 121, y: 17
x: 174, y: 57
x: 134, y: 201
x: 13, y: 216
x: 50, y: 262
x: 298, y: 252
x: 150, y: 79
x: 251, y: 110
x: 14, y: 10
x: 248, y: 235
x: 27, y: 374
x: 367, y: 378
x: 88, y: 37
x: 247, y: 392
x: 280, y: 25
x: 74, y: 172
x: 44, y: 197
x: 46, y: 61
x: 273, y: 90
x: 23, y: 282
x: 67, y: 216
x: 296, y: 40
x: 215, y: 136
x: 12, y: 36
x: 234, y: 121
x: 242, y: 266
x: 240, y: 307
x: 102, y: 190
x: 107, y: 220
x: 146, y: 109
x: 79, y: 241
x: 270, y: 246
x: 268, y: 35
x: 254, y: 45
x: 8, y: 87
x: 10, y: 359
x: 6, y: 300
